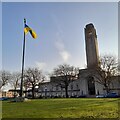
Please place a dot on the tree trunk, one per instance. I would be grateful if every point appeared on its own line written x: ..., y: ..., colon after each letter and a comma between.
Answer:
x: 66, y: 91
x: 33, y: 92
x: 14, y: 92
x: 107, y: 89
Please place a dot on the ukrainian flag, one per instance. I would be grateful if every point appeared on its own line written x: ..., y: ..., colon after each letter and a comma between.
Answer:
x: 28, y: 29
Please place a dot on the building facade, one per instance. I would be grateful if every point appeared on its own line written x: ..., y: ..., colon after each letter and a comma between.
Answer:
x: 85, y: 85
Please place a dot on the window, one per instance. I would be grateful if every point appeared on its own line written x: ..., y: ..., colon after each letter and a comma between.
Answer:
x: 56, y: 88
x: 71, y: 87
x: 77, y: 87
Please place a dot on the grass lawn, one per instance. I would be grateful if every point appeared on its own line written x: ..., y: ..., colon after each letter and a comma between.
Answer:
x: 62, y: 108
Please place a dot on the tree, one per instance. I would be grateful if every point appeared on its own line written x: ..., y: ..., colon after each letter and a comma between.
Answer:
x: 63, y: 75
x: 119, y: 67
x: 5, y: 77
x: 108, y: 67
x: 33, y: 77
x: 15, y: 81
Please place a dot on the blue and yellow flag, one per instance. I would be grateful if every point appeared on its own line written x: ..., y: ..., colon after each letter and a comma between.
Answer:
x: 28, y: 29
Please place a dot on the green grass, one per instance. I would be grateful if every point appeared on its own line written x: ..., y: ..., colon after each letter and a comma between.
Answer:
x: 62, y: 108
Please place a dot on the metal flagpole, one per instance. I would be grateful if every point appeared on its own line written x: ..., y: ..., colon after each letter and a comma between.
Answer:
x: 23, y: 57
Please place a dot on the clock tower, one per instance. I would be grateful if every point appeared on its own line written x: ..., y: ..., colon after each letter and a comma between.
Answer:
x: 92, y: 54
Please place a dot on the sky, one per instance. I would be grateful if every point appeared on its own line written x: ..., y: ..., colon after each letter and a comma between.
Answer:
x: 119, y: 30
x: 0, y: 36
x: 60, y: 0
x: 60, y: 31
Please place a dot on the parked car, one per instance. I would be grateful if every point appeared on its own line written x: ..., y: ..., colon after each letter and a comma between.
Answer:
x: 108, y: 95
x: 101, y: 96
x: 3, y: 98
x: 82, y: 96
x: 112, y: 95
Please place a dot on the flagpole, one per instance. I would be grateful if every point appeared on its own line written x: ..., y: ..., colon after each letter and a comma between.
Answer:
x: 23, y: 58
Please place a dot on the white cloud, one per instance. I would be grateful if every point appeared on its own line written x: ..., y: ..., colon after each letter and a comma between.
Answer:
x: 41, y: 65
x: 59, y: 45
x: 65, y: 55
x: 62, y: 51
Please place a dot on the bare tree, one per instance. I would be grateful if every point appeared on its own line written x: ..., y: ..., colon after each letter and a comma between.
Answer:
x: 15, y: 81
x: 63, y: 75
x: 5, y: 77
x: 119, y: 67
x: 108, y: 68
x: 33, y: 77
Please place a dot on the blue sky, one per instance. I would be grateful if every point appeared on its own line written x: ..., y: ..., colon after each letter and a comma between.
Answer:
x: 119, y: 31
x: 0, y: 36
x: 60, y: 30
x: 60, y: 0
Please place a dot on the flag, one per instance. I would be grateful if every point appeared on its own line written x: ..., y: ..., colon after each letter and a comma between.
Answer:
x: 32, y: 32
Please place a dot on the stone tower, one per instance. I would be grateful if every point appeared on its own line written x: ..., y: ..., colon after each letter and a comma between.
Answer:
x: 92, y: 54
